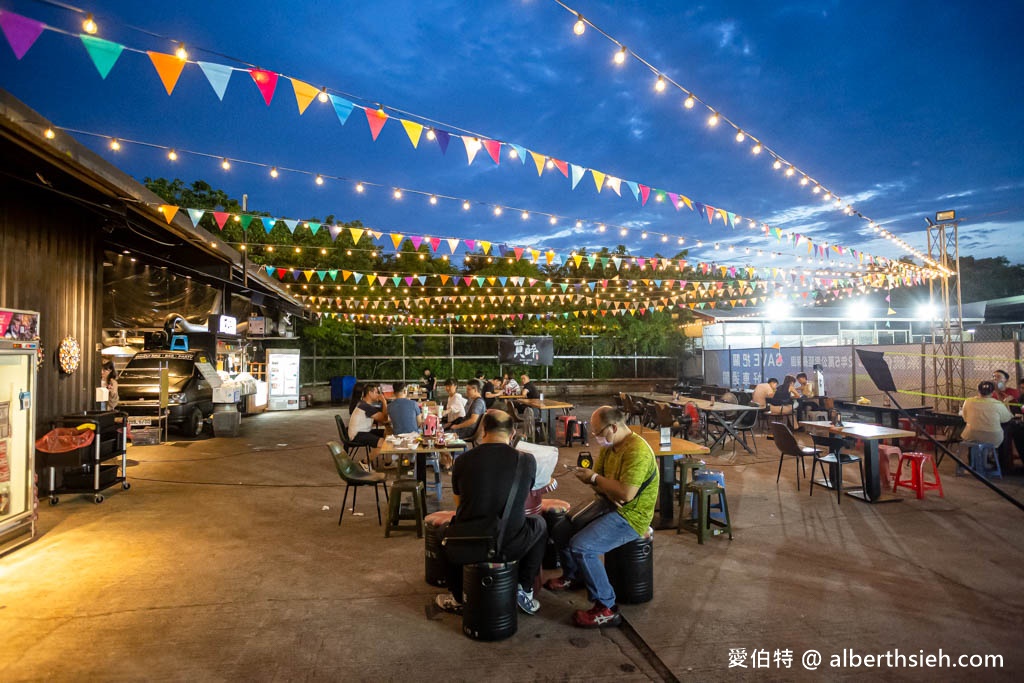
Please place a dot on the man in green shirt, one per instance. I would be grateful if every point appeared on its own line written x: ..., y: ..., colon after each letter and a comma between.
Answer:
x: 626, y: 473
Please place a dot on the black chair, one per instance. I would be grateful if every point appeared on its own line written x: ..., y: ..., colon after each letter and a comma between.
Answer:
x: 745, y: 425
x: 350, y: 446
x: 787, y: 445
x: 634, y: 409
x: 835, y: 458
x: 355, y: 476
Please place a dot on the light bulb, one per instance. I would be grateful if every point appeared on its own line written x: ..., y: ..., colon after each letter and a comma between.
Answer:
x: 398, y: 194
x: 181, y: 53
x: 623, y: 232
x: 549, y: 164
x: 225, y: 164
x: 790, y: 171
x: 756, y: 149
x: 172, y: 155
x: 659, y: 85
x: 465, y: 206
x: 620, y: 56
x: 777, y: 165
x: 273, y: 172
x: 49, y: 134
x: 433, y: 199
x: 689, y: 102
x: 580, y: 26
x: 322, y: 96
x: 805, y: 180
x: 512, y: 153
x: 579, y: 224
x: 552, y: 220
x: 298, y: 250
x: 643, y: 235
x: 319, y: 179
x: 740, y: 136
x: 89, y: 25
x: 713, y: 119
x: 828, y: 196
x: 359, y: 187
x: 497, y: 211
x: 270, y: 248
x: 430, y: 134
x: 817, y: 189
x: 525, y: 215
x: 114, y: 144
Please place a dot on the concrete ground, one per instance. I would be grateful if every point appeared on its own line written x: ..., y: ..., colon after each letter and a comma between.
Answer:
x: 221, y: 563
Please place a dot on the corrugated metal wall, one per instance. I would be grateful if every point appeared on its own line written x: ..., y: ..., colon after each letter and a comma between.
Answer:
x: 50, y: 262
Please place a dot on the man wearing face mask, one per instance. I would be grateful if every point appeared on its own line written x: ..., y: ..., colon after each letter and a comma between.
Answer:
x: 627, y: 474
x: 1004, y: 392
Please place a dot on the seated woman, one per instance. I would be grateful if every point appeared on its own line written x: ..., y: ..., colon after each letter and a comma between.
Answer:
x: 781, y: 403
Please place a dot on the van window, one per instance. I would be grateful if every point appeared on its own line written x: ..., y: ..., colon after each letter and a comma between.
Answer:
x: 148, y: 368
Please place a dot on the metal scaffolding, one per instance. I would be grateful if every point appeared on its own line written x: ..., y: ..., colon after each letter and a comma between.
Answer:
x: 948, y: 343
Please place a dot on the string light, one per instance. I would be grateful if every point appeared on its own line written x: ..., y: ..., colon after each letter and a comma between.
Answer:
x: 360, y: 187
x: 319, y: 179
x: 225, y: 164
x: 397, y: 194
x: 114, y: 144
x: 322, y: 96
x: 580, y: 26
x: 49, y: 134
x: 431, y: 135
x: 756, y: 149
x: 273, y: 172
x: 172, y: 155
x: 689, y: 102
x: 713, y: 119
x: 433, y: 199
x: 181, y: 53
x: 620, y: 56
x: 465, y: 205
x: 777, y: 165
x: 740, y: 136
x: 497, y: 211
x: 659, y: 85
x: 89, y: 25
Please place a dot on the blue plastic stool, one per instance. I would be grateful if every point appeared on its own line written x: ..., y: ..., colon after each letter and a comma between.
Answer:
x: 715, y: 511
x: 980, y: 456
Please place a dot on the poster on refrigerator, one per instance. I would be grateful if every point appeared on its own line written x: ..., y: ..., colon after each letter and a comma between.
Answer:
x: 19, y: 325
x: 5, y: 419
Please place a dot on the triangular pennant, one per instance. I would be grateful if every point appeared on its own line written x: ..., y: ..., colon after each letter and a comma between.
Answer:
x: 196, y: 215
x: 21, y: 32
x: 453, y: 244
x: 304, y: 94
x: 645, y: 194
x: 472, y: 147
x: 615, y: 184
x: 493, y: 148
x: 577, y: 174
x: 103, y: 53
x: 414, y: 131
x: 470, y: 244
x: 538, y: 159
x: 710, y: 211
x: 268, y: 223
x: 266, y: 81
x: 485, y: 246
x: 634, y: 188
x: 290, y: 224
x: 313, y: 226
x: 342, y: 108
x: 443, y: 138
x: 356, y: 234
x: 435, y: 242
x: 168, y: 67
x: 245, y: 220
x: 376, y: 118
x: 168, y: 211
x: 221, y: 217
x: 520, y: 152
x: 598, y: 179
x: 218, y: 75
x: 396, y: 239
x: 416, y: 242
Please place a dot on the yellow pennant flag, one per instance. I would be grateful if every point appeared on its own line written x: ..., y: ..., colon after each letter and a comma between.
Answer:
x: 168, y: 211
x: 578, y: 259
x: 550, y: 255
x: 345, y: 275
x: 413, y: 130
x: 370, y: 278
x: 539, y: 160
x: 308, y: 274
x: 304, y: 94
x: 396, y: 239
x: 356, y: 234
x: 598, y: 179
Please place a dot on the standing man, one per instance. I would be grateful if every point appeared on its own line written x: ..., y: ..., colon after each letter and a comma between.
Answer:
x: 428, y: 384
x: 528, y: 388
x: 475, y: 409
x: 627, y: 474
x: 481, y: 483
x: 486, y: 388
x: 366, y: 425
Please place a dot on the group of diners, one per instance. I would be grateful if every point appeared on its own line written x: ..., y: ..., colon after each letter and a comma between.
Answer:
x: 993, y: 416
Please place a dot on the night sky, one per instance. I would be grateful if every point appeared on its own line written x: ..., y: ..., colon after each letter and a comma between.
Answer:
x: 902, y: 109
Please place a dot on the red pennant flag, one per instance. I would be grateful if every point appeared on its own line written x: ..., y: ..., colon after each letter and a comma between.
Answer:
x: 493, y: 148
x: 562, y: 166
x: 266, y: 81
x: 376, y: 118
x: 710, y: 211
x: 519, y: 252
x: 221, y: 217
x: 645, y: 194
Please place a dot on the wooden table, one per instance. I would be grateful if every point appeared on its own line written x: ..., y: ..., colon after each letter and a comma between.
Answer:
x: 666, y: 465
x: 715, y: 411
x: 545, y: 405
x: 870, y: 435
x: 420, y: 461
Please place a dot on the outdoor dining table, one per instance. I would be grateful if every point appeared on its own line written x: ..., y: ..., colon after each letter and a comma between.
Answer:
x: 715, y: 412
x: 887, y: 416
x: 549, y: 406
x: 870, y: 435
x: 666, y: 456
x: 424, y: 447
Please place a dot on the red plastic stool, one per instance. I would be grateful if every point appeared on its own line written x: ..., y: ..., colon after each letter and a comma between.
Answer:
x: 885, y: 454
x: 907, y: 443
x: 565, y: 429
x: 917, y: 482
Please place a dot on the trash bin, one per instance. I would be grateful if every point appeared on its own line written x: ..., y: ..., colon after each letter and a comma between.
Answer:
x: 338, y: 389
x: 348, y: 383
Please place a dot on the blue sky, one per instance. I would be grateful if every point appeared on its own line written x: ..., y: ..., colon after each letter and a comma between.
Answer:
x: 906, y: 108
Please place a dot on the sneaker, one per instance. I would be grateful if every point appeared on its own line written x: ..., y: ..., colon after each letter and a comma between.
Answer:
x: 597, y: 616
x: 563, y: 583
x: 446, y: 602
x: 526, y: 601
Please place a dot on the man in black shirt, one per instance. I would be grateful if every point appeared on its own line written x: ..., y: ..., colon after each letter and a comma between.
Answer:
x: 529, y: 389
x: 486, y: 389
x: 481, y: 482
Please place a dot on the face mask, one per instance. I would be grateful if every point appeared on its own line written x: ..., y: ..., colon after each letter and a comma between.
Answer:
x: 1000, y: 385
x: 602, y: 442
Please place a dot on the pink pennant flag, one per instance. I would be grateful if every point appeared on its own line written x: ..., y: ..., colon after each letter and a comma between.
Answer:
x: 674, y: 198
x: 376, y: 118
x: 435, y: 243
x: 710, y: 210
x: 645, y: 194
x: 416, y: 241
x: 493, y: 148
x: 21, y: 32
x: 470, y: 244
x: 266, y: 81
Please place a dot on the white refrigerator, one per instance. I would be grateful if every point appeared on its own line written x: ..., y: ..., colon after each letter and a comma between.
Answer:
x: 17, y: 441
x: 283, y: 379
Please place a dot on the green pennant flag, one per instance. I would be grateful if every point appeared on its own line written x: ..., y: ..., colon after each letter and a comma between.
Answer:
x: 313, y: 227
x: 104, y: 53
x: 321, y: 274
x: 245, y: 220
x: 333, y: 274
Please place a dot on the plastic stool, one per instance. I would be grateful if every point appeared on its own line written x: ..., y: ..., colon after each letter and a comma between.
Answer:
x: 435, y: 562
x: 716, y: 476
x: 702, y: 526
x: 980, y: 455
x: 565, y: 428
x: 489, y: 591
x: 686, y: 469
x: 435, y: 463
x: 917, y: 482
x: 630, y: 570
x: 885, y: 454
x: 395, y: 502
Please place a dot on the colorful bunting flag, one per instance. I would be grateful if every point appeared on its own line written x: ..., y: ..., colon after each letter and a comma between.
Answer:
x: 103, y: 53
x: 472, y: 147
x: 304, y: 94
x: 443, y: 138
x: 413, y: 130
x: 493, y: 148
x: 577, y: 174
x: 21, y: 32
x: 376, y: 118
x: 266, y: 81
x: 218, y: 75
x: 168, y: 67
x: 168, y: 211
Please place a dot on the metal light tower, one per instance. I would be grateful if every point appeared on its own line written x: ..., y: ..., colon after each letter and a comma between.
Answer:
x: 947, y: 347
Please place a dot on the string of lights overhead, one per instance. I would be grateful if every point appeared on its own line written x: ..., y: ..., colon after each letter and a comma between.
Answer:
x: 90, y: 27
x: 715, y: 117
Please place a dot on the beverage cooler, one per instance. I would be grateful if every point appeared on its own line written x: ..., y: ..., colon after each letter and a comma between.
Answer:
x: 17, y: 436
x: 283, y: 379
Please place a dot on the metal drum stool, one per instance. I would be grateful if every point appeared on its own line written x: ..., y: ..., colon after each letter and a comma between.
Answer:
x: 395, y: 502
x: 630, y: 570
x: 435, y: 563
x: 489, y: 607
x: 556, y: 516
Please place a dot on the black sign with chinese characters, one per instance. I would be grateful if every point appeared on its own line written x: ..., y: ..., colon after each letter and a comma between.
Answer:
x: 526, y: 350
